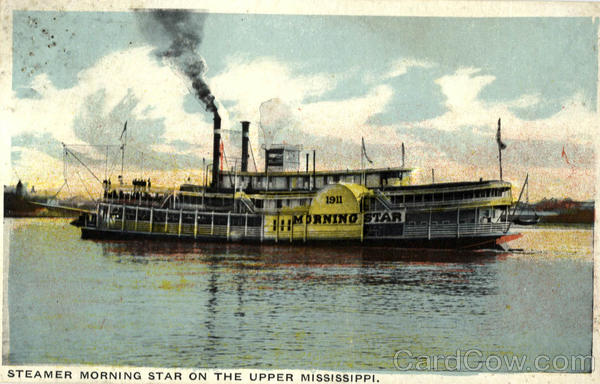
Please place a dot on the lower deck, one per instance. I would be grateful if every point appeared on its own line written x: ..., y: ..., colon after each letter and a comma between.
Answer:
x: 424, y: 229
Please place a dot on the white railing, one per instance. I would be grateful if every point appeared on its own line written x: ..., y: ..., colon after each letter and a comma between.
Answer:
x: 454, y: 230
x: 434, y: 203
x: 238, y: 226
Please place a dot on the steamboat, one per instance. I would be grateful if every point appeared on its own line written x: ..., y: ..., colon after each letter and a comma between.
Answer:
x: 286, y: 205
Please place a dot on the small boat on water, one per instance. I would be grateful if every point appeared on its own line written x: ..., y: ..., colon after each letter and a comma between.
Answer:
x: 523, y: 220
x: 527, y: 214
x: 285, y: 205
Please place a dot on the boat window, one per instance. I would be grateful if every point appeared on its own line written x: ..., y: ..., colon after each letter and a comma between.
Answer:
x: 373, y: 180
x: 279, y: 203
x: 427, y: 197
x: 409, y: 199
x: 438, y: 197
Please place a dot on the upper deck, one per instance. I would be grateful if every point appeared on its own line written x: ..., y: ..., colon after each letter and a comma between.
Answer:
x: 257, y: 182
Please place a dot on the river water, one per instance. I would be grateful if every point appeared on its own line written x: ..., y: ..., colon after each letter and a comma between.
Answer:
x: 169, y: 304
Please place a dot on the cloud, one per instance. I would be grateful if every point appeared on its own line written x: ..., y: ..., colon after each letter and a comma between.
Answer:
x: 132, y: 77
x: 575, y: 122
x: 401, y: 66
x: 246, y: 84
x: 348, y: 118
x: 126, y: 85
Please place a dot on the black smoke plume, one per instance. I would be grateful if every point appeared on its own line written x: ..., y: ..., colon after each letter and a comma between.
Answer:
x: 177, y: 34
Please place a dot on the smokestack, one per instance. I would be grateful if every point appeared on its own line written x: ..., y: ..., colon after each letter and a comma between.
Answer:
x: 245, y: 139
x: 216, y: 149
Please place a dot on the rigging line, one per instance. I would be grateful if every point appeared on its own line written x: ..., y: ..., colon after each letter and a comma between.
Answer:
x: 253, y: 160
x: 69, y: 188
x: 93, y: 145
x: 82, y: 163
x: 65, y: 164
x: 84, y: 186
x: 114, y: 164
x: 171, y: 162
x: 227, y: 164
x: 59, y: 189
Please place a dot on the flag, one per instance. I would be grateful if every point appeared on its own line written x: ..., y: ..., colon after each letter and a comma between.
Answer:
x: 124, y: 129
x: 364, y: 151
x: 564, y: 155
x: 402, y: 154
x: 501, y: 145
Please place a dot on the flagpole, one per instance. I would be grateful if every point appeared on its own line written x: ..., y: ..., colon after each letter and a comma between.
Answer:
x: 402, y: 155
x: 501, y: 146
x: 362, y: 166
x: 123, y: 150
x: 500, y: 161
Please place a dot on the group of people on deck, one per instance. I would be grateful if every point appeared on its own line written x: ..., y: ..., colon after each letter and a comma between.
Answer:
x: 141, y: 183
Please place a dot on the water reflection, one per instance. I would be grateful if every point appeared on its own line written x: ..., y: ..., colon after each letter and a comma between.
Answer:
x: 456, y: 273
x: 284, y: 255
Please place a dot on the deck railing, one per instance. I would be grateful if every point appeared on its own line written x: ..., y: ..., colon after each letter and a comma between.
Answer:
x: 239, y: 226
x: 453, y: 230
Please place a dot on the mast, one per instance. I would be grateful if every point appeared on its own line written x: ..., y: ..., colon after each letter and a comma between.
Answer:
x: 501, y: 146
x: 123, y: 139
x: 122, y: 160
x: 402, y: 154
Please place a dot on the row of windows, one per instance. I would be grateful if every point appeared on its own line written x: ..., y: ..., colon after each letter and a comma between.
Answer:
x: 186, y: 218
x: 280, y: 203
x: 304, y: 182
x: 447, y: 196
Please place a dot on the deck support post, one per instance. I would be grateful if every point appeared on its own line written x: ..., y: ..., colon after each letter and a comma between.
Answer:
x: 108, y: 217
x: 212, y: 223
x: 362, y: 227
x: 429, y: 226
x: 98, y: 216
x: 305, y: 220
x: 167, y: 220
x: 277, y: 229
x: 457, y: 223
x: 262, y: 228
x: 137, y: 208
x: 246, y: 226
x: 151, y: 217
x: 195, y: 223
x: 123, y: 219
x: 228, y: 224
x: 180, y: 220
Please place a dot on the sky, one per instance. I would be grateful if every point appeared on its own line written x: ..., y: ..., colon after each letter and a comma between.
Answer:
x: 438, y: 85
